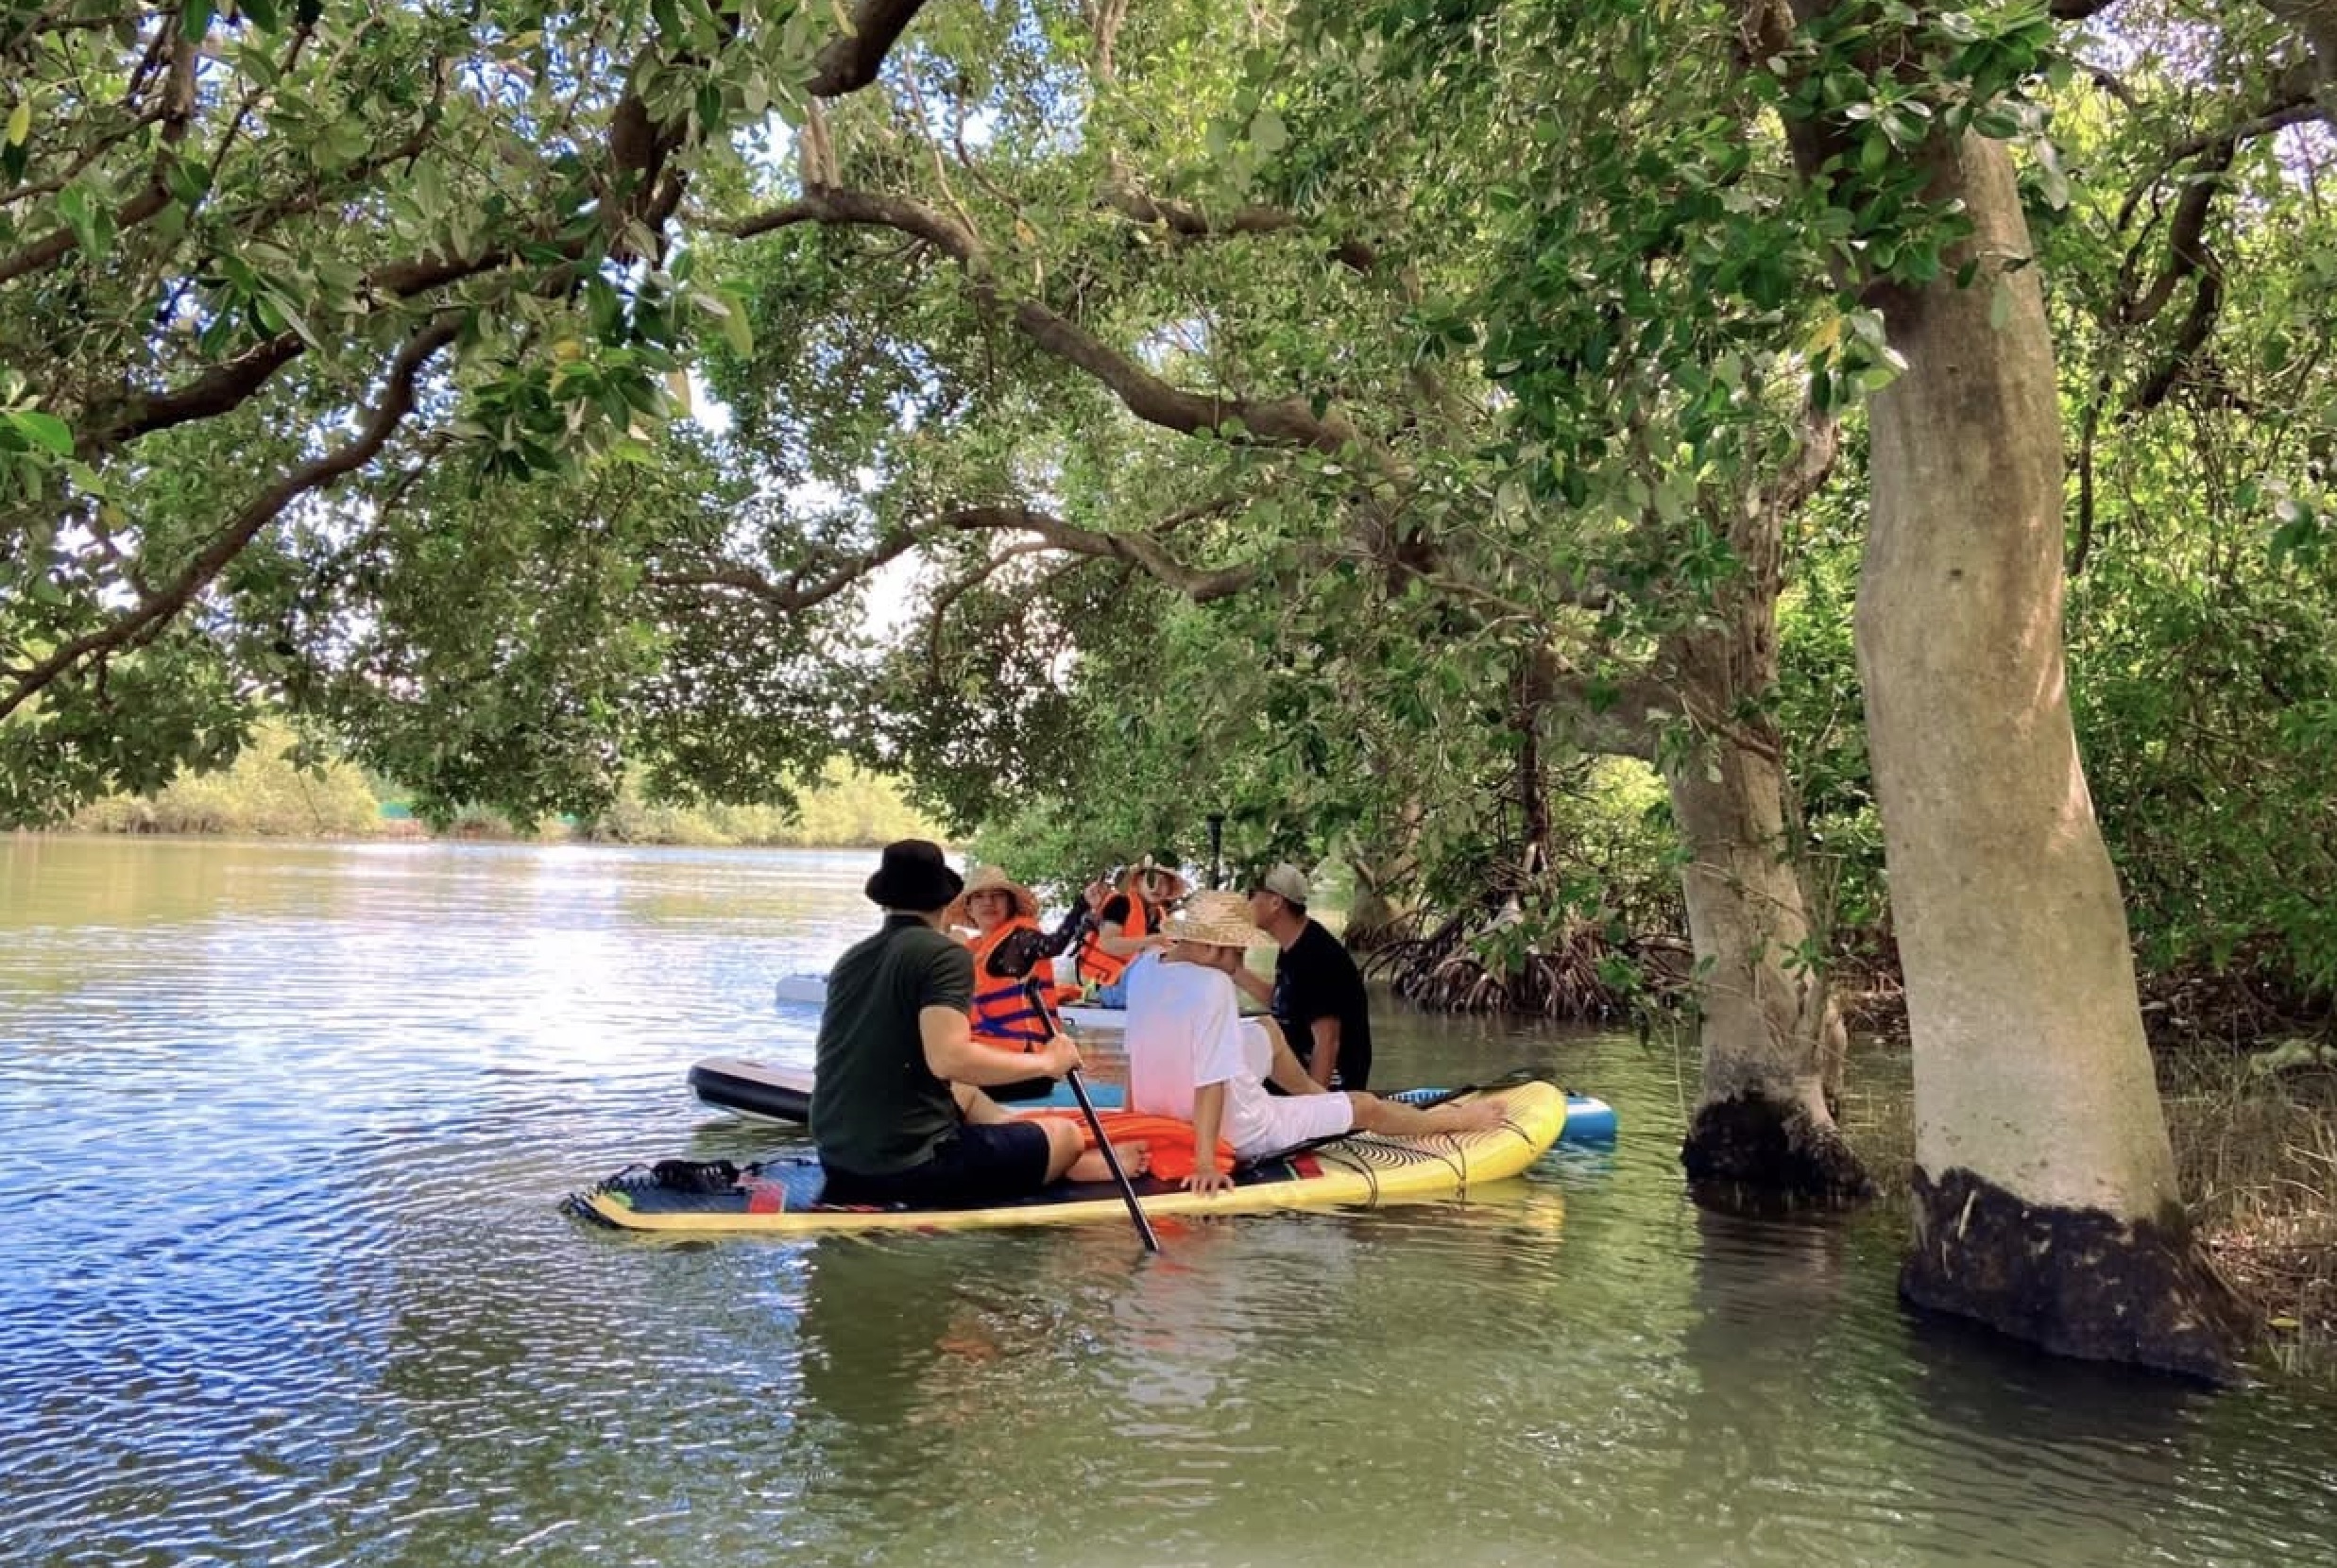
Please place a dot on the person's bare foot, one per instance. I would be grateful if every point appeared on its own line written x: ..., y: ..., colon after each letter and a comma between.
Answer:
x: 1479, y: 1116
x: 1134, y: 1158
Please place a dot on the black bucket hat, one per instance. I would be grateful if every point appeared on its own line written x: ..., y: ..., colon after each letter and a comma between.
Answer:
x: 913, y: 876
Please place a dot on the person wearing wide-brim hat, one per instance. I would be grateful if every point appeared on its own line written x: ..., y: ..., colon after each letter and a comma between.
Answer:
x: 896, y: 1104
x: 1129, y: 923
x: 1018, y: 899
x: 1009, y: 949
x: 1192, y: 1055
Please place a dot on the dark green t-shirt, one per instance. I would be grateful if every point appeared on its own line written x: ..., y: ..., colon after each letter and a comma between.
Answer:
x: 876, y: 1107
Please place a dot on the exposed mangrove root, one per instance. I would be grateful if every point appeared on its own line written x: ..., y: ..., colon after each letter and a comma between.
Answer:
x: 2078, y: 1282
x: 1750, y: 1151
x: 1574, y: 973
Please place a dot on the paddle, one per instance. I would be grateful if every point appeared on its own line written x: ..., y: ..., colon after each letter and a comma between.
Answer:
x: 1033, y: 988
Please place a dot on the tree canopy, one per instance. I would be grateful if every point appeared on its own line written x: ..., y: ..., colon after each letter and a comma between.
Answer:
x: 1342, y: 415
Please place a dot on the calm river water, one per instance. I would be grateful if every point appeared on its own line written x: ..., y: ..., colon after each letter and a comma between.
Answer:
x: 284, y: 1281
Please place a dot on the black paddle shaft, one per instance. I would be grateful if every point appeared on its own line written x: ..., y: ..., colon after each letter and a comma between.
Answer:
x: 1095, y: 1123
x: 1111, y: 1157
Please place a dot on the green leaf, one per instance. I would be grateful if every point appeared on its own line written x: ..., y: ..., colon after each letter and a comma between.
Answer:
x: 1996, y: 124
x: 20, y: 122
x: 1267, y: 133
x: 92, y: 225
x: 737, y: 331
x: 44, y: 430
x: 189, y: 180
x: 427, y: 189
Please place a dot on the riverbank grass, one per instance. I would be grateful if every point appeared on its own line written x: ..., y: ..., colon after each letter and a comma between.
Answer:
x: 2255, y: 1153
x: 279, y: 788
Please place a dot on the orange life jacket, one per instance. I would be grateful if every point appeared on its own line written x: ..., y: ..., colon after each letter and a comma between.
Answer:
x: 1002, y: 1011
x: 1175, y: 1150
x: 1106, y: 968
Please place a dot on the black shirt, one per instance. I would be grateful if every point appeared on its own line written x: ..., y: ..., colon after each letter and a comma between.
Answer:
x: 875, y: 1106
x: 1315, y: 979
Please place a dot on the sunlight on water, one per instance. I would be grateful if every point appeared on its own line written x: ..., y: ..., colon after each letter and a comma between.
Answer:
x: 286, y: 1283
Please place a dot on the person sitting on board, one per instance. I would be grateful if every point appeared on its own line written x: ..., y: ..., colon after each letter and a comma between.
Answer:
x: 1009, y: 959
x: 1191, y: 1054
x: 1316, y: 993
x: 897, y: 1111
x: 1128, y: 924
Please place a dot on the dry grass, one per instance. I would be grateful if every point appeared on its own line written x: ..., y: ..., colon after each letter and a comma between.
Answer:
x: 2256, y: 1155
x: 2257, y: 1159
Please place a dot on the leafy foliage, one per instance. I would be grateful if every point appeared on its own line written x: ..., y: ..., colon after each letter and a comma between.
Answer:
x: 1342, y: 419
x: 268, y: 263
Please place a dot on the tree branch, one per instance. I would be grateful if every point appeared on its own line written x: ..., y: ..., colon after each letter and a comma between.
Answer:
x: 852, y: 59
x: 228, y: 386
x: 177, y: 107
x: 1201, y: 585
x: 139, y: 625
x: 796, y: 592
x: 638, y: 153
x: 2288, y: 110
x: 1624, y: 720
x: 1191, y: 223
x: 2316, y: 22
x: 1282, y: 421
x: 1105, y: 18
x: 937, y: 612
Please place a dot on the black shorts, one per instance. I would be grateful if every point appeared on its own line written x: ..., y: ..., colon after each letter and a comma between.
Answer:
x: 983, y: 1164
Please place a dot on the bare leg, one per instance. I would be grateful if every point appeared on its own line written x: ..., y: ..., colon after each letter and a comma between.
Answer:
x: 1065, y: 1146
x: 1134, y: 1158
x: 1397, y: 1119
x: 1067, y: 1154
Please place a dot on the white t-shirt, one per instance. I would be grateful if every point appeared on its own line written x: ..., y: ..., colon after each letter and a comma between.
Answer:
x: 1185, y: 1030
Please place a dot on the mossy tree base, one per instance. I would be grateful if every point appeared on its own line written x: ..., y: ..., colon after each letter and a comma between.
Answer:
x: 1750, y: 1146
x: 2076, y: 1282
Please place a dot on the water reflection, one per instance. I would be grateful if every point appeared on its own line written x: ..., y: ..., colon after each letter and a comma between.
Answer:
x: 285, y: 1283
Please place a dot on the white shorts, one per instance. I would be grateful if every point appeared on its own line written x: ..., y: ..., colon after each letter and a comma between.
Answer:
x: 1294, y: 1120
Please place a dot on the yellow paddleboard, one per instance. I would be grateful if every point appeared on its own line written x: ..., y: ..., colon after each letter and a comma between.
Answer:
x: 782, y: 1196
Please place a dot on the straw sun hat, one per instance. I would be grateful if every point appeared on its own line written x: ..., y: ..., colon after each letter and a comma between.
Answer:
x: 991, y: 878
x: 1217, y: 919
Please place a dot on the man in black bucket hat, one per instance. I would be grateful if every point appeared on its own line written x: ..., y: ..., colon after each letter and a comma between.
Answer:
x: 897, y: 1106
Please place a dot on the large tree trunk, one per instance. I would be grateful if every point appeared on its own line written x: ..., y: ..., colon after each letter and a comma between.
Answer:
x: 1766, y: 1025
x: 1769, y: 1030
x: 1373, y: 920
x: 2045, y: 1185
x: 1384, y: 864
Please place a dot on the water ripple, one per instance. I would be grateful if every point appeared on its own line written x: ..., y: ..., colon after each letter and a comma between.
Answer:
x: 286, y: 1284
